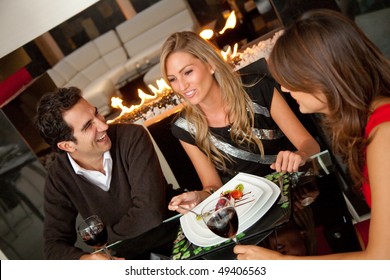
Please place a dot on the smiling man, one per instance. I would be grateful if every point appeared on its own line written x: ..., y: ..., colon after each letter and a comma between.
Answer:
x: 109, y: 171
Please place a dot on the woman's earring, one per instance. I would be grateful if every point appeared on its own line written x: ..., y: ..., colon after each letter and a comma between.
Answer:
x: 212, y: 72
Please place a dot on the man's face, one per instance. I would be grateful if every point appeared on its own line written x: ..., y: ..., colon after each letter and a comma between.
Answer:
x: 89, y: 129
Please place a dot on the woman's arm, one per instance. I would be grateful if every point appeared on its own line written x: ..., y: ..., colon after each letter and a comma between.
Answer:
x: 287, y: 121
x: 378, y: 162
x: 208, y: 176
x: 205, y: 169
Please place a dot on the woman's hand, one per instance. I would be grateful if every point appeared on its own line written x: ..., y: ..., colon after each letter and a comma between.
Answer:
x: 252, y: 252
x: 188, y: 200
x: 288, y: 161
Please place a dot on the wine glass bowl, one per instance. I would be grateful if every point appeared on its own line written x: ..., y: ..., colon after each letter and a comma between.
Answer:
x: 94, y: 233
x: 221, y: 218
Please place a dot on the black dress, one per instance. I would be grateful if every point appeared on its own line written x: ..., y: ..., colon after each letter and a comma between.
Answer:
x: 266, y: 129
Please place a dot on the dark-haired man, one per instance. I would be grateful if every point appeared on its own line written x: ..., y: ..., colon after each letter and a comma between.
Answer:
x: 109, y: 171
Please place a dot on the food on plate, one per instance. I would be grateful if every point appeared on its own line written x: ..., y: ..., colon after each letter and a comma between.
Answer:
x: 236, y: 193
x: 233, y: 195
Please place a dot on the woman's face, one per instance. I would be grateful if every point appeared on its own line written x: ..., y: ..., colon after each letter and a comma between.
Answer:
x: 189, y: 76
x: 310, y: 102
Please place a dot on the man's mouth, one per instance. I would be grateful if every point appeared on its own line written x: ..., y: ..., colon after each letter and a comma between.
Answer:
x: 101, y: 138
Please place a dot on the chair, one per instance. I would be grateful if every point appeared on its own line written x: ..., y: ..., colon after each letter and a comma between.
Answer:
x: 174, y: 155
x: 166, y: 169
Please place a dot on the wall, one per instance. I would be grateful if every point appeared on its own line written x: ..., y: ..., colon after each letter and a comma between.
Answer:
x: 83, y: 27
x: 22, y: 22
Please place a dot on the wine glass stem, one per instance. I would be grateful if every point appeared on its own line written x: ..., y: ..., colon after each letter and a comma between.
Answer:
x: 236, y: 240
x: 105, y: 249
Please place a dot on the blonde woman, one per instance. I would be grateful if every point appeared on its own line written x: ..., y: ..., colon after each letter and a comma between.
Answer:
x: 226, y: 127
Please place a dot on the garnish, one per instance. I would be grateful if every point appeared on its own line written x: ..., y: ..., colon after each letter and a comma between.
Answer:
x: 236, y: 193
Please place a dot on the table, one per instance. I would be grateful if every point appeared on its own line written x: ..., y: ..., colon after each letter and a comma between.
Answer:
x: 286, y: 227
x: 278, y: 215
x: 162, y: 242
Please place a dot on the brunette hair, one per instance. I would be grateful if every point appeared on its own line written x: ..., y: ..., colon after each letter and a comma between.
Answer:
x: 324, y: 51
x: 49, y: 118
x: 239, y: 105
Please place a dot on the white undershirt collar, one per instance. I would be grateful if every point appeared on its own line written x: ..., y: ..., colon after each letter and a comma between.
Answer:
x: 95, y: 177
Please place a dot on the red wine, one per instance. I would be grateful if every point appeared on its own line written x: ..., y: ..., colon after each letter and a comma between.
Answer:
x: 96, y: 238
x: 224, y: 222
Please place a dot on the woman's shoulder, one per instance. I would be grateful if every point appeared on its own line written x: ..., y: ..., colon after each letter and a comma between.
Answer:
x: 183, y: 129
x: 381, y: 108
x: 179, y: 120
x: 381, y: 104
x: 180, y: 124
x: 380, y: 114
x: 261, y: 90
x: 258, y: 81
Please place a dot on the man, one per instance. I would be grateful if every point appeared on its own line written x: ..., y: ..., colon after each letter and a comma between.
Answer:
x: 109, y: 171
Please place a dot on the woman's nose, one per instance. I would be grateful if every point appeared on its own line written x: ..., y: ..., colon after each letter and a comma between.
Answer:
x: 183, y: 84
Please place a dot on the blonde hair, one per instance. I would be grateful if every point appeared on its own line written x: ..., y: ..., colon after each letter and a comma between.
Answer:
x: 239, y: 105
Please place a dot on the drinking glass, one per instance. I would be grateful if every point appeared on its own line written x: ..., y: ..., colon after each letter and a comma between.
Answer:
x: 221, y: 218
x: 94, y: 233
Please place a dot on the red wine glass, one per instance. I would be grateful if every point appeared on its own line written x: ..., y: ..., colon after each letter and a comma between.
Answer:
x: 221, y: 218
x: 94, y: 233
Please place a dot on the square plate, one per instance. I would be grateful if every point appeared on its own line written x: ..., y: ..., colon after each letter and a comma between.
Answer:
x: 264, y: 194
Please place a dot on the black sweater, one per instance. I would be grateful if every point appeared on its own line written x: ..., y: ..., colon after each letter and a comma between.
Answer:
x: 134, y: 203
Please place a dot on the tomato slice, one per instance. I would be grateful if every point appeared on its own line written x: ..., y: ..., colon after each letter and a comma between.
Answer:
x: 236, y: 194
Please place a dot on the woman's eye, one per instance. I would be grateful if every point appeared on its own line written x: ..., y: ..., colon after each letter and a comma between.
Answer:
x: 171, y: 80
x: 188, y: 72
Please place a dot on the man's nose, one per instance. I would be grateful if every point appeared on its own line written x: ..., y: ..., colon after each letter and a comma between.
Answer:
x: 101, y: 125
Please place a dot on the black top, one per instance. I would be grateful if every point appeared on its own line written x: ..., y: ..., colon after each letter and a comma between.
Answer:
x: 272, y: 138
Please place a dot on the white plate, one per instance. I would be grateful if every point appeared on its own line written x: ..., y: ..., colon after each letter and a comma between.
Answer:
x: 208, y: 239
x: 252, y: 195
x: 266, y: 193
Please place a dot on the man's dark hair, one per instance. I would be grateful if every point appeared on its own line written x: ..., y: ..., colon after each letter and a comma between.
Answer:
x: 49, y: 118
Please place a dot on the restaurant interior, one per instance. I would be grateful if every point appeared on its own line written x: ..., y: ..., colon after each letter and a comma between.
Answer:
x: 130, y: 90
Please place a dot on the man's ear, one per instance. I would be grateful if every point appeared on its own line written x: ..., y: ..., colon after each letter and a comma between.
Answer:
x: 67, y: 146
